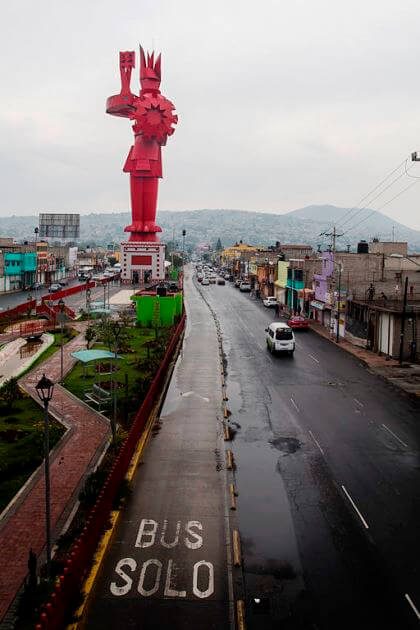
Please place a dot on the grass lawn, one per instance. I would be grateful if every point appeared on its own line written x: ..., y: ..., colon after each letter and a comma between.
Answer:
x: 22, y: 444
x: 134, y: 366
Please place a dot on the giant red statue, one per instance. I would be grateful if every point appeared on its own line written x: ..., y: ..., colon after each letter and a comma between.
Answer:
x: 153, y: 117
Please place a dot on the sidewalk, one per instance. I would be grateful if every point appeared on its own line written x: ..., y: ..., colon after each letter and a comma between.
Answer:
x: 406, y: 378
x: 23, y: 526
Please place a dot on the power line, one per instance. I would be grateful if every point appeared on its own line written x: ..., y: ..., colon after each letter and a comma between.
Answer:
x: 371, y: 191
x: 383, y: 206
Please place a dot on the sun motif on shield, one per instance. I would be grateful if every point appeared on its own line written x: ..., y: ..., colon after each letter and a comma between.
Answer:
x: 154, y: 117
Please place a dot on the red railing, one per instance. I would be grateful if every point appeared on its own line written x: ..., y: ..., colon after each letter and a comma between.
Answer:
x: 52, y: 297
x: 81, y: 553
x: 18, y: 310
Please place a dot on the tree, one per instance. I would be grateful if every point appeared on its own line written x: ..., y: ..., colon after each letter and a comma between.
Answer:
x: 90, y: 335
x: 10, y: 392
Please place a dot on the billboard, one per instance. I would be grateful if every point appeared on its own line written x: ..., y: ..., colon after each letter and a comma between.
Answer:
x: 59, y: 225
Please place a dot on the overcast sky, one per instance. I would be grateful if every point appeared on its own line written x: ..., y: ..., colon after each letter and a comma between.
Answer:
x: 281, y: 104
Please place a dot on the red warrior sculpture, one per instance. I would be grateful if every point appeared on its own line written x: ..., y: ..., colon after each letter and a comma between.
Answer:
x: 153, y: 117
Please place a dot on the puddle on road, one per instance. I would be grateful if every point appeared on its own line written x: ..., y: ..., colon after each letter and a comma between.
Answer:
x: 287, y: 445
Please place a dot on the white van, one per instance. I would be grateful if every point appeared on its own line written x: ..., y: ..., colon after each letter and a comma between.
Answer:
x: 280, y: 338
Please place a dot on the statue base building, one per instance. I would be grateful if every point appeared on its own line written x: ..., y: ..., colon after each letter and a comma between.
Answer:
x: 142, y: 262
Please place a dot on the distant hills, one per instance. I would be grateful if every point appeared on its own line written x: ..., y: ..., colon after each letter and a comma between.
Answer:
x: 206, y: 226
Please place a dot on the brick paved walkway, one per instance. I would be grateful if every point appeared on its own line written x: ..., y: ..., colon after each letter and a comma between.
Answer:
x: 24, y: 526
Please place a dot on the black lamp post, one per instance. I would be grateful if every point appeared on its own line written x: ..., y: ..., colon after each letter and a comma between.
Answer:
x: 116, y: 329
x: 45, y: 389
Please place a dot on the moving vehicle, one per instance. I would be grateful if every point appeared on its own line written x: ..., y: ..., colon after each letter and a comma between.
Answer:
x: 280, y: 338
x: 298, y: 321
x: 63, y: 282
x: 221, y: 281
x: 237, y: 283
x: 35, y: 286
x: 199, y: 278
x: 270, y: 301
x: 55, y: 287
x: 245, y: 286
x: 205, y: 281
x: 212, y: 279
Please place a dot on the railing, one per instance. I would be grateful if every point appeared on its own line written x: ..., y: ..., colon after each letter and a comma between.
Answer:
x: 52, y: 297
x: 81, y: 553
x: 25, y: 307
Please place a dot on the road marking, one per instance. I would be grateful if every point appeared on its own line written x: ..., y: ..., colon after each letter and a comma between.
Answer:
x: 356, y: 508
x: 314, y: 358
x: 294, y: 405
x: 395, y: 436
x: 316, y: 442
x: 410, y: 601
x: 358, y: 402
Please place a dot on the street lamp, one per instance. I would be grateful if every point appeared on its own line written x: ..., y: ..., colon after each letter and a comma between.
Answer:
x: 61, y: 314
x: 44, y: 389
x: 116, y: 329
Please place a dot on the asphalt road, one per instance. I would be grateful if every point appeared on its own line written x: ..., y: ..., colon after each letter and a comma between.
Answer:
x: 167, y: 563
x: 327, y: 458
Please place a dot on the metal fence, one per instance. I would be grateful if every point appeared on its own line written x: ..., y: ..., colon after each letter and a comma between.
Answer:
x: 81, y: 553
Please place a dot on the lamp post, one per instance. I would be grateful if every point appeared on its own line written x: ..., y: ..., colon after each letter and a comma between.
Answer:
x: 61, y: 316
x: 88, y: 303
x: 116, y: 329
x: 183, y: 250
x: 339, y: 302
x: 44, y: 389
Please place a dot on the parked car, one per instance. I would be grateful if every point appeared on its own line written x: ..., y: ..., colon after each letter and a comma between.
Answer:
x: 55, y: 287
x: 280, y: 338
x: 270, y: 301
x: 298, y: 321
x: 205, y: 281
x: 221, y: 281
x: 212, y: 279
x: 35, y: 286
x: 245, y: 286
x: 63, y: 282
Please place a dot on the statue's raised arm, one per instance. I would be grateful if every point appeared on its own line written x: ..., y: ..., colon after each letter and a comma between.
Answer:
x: 122, y: 104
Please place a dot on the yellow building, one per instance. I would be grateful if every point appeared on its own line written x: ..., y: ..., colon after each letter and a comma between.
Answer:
x: 234, y: 252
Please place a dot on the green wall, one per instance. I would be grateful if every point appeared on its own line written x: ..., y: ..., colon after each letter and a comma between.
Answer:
x: 169, y: 307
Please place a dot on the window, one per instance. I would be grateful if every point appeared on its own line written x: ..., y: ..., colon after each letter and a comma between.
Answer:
x: 284, y: 334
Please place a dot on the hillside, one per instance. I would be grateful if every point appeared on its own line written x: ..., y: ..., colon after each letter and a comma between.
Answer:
x: 303, y: 225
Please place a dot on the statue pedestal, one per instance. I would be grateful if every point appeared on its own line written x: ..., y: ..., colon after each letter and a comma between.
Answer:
x: 142, y: 261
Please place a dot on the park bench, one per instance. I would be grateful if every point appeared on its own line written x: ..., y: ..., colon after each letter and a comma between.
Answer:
x: 98, y: 396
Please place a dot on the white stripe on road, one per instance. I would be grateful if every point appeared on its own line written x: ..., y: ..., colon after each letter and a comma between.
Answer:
x: 316, y: 442
x: 314, y: 358
x: 395, y: 436
x: 294, y: 404
x: 410, y: 601
x: 358, y: 402
x: 356, y: 508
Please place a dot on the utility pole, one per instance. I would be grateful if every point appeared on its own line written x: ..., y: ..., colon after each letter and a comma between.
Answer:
x: 338, y: 304
x: 403, y: 321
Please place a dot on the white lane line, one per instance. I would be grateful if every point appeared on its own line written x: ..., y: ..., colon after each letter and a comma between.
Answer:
x: 358, y: 402
x: 395, y: 436
x: 410, y: 601
x: 314, y: 358
x: 294, y: 404
x: 316, y: 442
x: 356, y: 508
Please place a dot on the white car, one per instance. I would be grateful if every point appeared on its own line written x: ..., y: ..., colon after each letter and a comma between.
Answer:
x: 245, y: 286
x: 205, y: 281
x: 270, y: 301
x: 280, y: 338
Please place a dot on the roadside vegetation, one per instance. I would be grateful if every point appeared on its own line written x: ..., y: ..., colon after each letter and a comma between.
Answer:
x: 21, y: 439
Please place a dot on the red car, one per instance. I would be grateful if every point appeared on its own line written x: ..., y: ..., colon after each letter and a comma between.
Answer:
x: 297, y: 321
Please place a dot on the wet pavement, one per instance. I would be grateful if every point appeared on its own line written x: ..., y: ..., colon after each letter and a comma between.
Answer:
x: 167, y: 564
x: 327, y: 472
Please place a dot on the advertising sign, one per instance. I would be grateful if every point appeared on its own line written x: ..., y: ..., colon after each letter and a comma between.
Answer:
x: 59, y: 226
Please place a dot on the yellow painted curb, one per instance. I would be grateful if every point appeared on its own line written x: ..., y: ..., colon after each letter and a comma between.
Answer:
x: 240, y: 614
x: 226, y: 433
x: 236, y: 548
x: 229, y: 459
x: 232, y: 496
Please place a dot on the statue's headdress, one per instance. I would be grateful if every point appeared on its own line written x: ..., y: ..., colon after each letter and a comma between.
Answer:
x: 149, y: 71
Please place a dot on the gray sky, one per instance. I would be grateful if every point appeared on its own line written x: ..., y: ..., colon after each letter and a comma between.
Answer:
x: 281, y: 104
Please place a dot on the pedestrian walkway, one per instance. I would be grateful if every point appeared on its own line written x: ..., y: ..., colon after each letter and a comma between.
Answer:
x: 23, y: 525
x: 406, y: 378
x: 167, y: 562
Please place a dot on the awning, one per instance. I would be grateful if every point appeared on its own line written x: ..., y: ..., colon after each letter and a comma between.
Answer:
x: 319, y: 305
x: 94, y: 355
